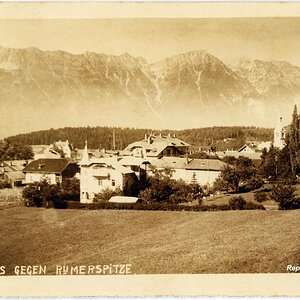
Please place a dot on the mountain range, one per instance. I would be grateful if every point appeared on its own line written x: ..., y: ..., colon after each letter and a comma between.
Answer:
x: 43, y: 89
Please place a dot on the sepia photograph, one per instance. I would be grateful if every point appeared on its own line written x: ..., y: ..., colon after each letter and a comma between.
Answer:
x: 149, y: 145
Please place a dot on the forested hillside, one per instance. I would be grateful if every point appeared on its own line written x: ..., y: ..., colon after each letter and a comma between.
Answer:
x: 102, y: 137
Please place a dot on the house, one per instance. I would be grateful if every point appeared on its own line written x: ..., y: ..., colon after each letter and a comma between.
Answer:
x: 247, y: 148
x: 97, y: 174
x: 65, y: 147
x: 200, y: 171
x: 56, y: 150
x: 15, y: 178
x: 44, y: 151
x: 156, y: 146
x: 251, y: 155
x: 51, y: 169
x: 12, y: 172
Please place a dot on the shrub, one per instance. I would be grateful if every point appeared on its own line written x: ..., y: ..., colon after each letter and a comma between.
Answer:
x: 155, y: 206
x: 106, y: 194
x: 43, y: 194
x: 284, y: 195
x: 237, y: 202
x: 4, y: 184
x: 261, y: 196
x: 254, y: 184
x: 161, y: 188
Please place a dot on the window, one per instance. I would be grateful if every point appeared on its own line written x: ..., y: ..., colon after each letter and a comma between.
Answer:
x: 100, y: 182
x: 113, y: 182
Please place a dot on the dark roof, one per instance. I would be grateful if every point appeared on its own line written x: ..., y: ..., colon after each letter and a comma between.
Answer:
x: 47, y: 165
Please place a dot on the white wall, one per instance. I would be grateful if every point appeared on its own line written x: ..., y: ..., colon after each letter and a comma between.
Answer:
x: 94, y: 180
x: 37, y: 177
x: 203, y: 177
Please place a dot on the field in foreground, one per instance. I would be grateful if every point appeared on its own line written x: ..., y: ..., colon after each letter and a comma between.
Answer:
x: 154, y: 242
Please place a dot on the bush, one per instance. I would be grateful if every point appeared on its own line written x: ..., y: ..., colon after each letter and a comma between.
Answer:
x: 254, y: 184
x: 4, y: 184
x: 284, y: 195
x: 43, y: 194
x: 261, y: 196
x: 156, y: 206
x: 161, y: 188
x: 106, y: 194
x: 237, y: 202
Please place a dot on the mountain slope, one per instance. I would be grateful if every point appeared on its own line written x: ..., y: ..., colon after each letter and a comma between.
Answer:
x: 275, y: 80
x: 42, y: 89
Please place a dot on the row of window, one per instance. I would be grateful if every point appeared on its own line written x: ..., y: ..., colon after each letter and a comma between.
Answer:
x: 100, y: 182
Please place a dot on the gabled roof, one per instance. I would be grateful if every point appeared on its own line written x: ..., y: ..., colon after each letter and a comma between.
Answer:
x: 16, y: 175
x: 205, y: 164
x: 183, y: 163
x: 246, y: 146
x: 16, y: 165
x: 132, y: 161
x: 169, y: 162
x: 109, y: 162
x: 154, y: 145
x: 47, y: 165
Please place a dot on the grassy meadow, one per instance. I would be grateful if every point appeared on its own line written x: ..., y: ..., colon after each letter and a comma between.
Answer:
x: 154, y: 242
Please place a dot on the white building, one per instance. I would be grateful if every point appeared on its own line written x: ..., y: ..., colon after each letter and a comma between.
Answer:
x: 200, y: 171
x: 97, y: 174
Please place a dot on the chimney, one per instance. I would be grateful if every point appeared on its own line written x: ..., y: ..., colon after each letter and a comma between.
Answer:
x: 169, y: 135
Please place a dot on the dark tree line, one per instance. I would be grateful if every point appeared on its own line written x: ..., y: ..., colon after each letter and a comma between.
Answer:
x: 102, y: 137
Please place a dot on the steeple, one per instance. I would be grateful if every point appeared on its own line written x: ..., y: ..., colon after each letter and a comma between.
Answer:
x: 85, y: 156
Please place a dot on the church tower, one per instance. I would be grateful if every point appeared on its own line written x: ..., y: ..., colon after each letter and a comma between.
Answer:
x: 279, y: 135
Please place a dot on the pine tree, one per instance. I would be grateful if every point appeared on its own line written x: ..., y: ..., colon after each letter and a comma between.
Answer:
x: 293, y: 141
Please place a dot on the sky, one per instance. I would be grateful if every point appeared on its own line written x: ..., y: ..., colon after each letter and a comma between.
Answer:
x: 156, y: 39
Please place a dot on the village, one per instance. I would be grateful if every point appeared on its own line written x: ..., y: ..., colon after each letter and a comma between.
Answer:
x: 110, y: 170
x: 152, y: 197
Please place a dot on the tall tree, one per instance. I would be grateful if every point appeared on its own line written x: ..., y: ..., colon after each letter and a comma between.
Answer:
x: 292, y: 140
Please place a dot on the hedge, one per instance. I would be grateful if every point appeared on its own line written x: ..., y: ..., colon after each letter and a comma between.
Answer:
x: 156, y: 206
